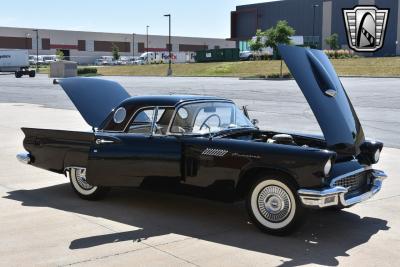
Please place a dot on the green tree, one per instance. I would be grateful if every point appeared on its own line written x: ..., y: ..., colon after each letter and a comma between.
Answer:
x: 115, y: 52
x: 59, y: 55
x: 280, y: 34
x: 333, y: 41
x: 256, y: 44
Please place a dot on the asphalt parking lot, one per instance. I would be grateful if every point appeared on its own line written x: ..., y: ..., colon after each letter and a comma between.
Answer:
x: 278, y: 105
x: 43, y: 223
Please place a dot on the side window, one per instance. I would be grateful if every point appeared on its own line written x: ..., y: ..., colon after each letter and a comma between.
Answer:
x: 142, y: 121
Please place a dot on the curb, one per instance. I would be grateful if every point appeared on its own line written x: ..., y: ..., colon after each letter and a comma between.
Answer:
x: 341, y: 76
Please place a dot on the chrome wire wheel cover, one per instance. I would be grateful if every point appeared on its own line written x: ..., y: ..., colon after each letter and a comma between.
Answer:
x: 78, y: 180
x: 274, y: 203
x: 81, y: 179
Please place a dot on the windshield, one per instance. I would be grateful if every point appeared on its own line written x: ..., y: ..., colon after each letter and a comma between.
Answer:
x: 208, y: 117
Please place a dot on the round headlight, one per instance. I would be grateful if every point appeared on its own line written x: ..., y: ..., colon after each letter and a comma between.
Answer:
x: 327, y: 167
x: 377, y: 155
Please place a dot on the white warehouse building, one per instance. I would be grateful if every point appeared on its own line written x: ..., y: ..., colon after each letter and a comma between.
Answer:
x: 85, y: 47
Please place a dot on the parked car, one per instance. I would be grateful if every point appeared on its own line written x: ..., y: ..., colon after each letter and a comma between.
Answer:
x: 33, y: 59
x: 139, y: 61
x: 124, y: 60
x: 105, y: 61
x: 207, y: 142
x: 246, y: 55
x: 47, y: 59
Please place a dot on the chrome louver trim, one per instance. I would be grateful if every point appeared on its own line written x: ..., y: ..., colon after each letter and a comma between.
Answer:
x: 214, y: 152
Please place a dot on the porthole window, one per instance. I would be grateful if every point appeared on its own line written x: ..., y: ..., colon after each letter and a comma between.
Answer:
x: 119, y: 115
x: 183, y: 113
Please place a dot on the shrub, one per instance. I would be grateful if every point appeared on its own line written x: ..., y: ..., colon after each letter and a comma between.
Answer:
x: 84, y: 71
x: 343, y: 53
x: 277, y: 76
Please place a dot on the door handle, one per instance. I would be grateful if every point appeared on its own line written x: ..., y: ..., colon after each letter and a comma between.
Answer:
x: 103, y: 141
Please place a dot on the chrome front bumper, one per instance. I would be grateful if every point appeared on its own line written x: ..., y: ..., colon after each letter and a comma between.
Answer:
x: 24, y: 157
x: 334, y: 196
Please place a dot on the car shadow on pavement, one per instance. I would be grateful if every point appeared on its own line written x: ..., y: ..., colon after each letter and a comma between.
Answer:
x: 325, y: 236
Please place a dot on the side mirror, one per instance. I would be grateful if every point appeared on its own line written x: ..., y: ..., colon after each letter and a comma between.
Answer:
x: 254, y: 122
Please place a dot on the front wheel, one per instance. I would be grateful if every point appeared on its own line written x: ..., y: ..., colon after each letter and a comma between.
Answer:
x: 77, y: 177
x: 273, y: 206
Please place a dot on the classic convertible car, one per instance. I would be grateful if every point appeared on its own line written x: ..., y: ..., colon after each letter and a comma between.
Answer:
x: 208, y: 142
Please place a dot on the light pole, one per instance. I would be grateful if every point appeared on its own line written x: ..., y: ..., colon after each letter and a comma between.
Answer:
x: 313, y: 26
x: 37, y: 49
x: 147, y: 42
x: 169, y: 73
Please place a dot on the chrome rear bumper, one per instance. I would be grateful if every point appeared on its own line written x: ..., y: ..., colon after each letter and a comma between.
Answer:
x: 24, y: 157
x: 335, y: 196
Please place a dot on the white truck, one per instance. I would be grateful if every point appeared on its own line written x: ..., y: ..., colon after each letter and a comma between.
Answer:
x: 16, y: 61
x: 162, y: 57
x: 105, y: 61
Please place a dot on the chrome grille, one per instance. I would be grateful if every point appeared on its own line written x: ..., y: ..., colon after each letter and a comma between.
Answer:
x: 352, y: 182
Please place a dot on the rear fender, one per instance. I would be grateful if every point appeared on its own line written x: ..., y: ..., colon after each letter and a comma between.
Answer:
x: 54, y: 150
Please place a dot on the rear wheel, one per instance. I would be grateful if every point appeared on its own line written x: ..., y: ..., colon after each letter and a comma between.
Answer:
x: 32, y: 73
x: 83, y: 188
x: 18, y: 74
x: 274, y: 206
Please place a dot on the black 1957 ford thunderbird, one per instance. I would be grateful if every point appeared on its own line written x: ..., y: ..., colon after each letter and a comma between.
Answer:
x: 205, y: 142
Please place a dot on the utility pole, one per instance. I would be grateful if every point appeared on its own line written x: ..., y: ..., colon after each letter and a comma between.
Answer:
x: 133, y: 46
x: 37, y: 49
x: 147, y: 42
x: 313, y: 26
x: 169, y: 73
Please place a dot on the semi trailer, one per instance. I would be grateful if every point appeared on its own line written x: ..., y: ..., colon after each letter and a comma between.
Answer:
x: 16, y: 61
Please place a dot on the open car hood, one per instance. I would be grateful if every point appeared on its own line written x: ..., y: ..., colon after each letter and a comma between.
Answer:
x: 94, y: 98
x: 326, y: 96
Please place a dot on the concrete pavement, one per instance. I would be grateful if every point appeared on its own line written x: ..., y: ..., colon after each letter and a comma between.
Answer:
x: 43, y: 223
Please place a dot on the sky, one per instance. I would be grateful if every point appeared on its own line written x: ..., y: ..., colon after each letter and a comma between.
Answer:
x: 202, y: 18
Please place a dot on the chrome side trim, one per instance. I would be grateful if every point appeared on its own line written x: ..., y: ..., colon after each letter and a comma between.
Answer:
x: 335, y: 196
x: 24, y: 157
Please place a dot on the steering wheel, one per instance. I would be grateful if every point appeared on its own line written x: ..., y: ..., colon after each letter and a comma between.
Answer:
x: 207, y: 119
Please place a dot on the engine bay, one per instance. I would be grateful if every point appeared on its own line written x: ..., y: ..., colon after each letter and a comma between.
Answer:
x: 271, y: 137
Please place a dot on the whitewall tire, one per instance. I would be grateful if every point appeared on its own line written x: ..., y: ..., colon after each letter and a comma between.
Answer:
x: 81, y: 187
x: 273, y: 205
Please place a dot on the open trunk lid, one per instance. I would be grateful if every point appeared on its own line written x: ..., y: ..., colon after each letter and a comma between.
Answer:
x: 94, y: 98
x: 327, y: 98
